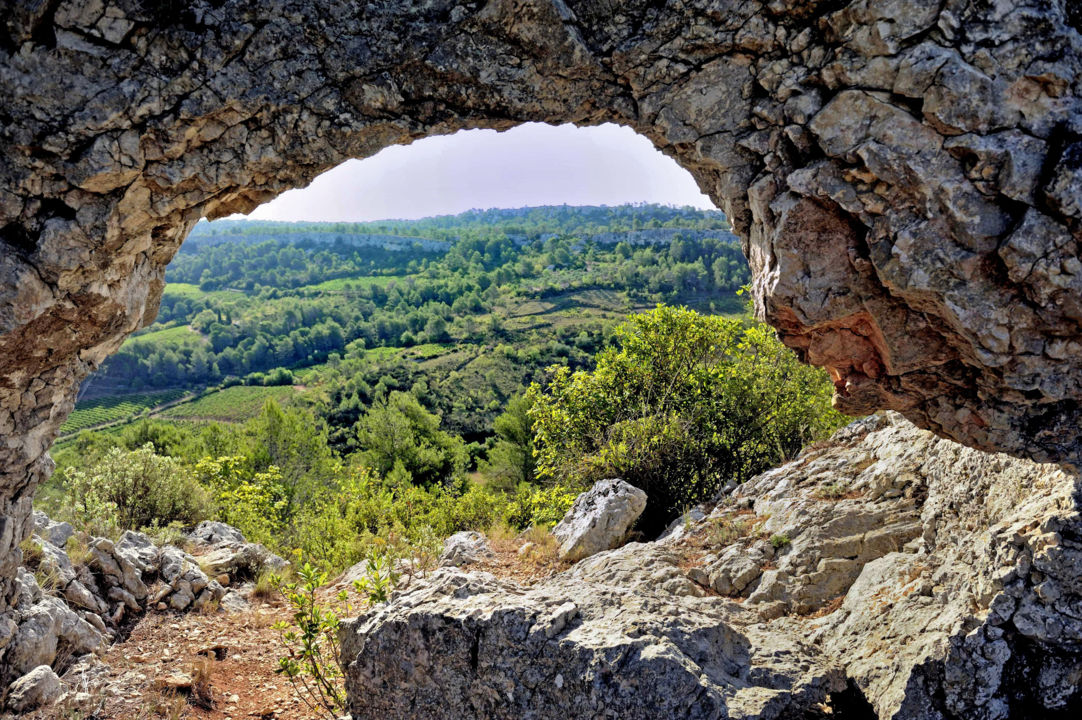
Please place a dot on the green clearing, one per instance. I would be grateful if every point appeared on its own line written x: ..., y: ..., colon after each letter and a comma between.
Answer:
x: 170, y: 337
x: 233, y: 404
x: 100, y: 411
x: 191, y: 291
x: 356, y: 282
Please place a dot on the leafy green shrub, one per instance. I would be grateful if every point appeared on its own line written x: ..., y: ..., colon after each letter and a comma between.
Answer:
x: 312, y: 661
x: 540, y: 506
x: 254, y: 503
x: 132, y: 490
x: 779, y: 541
x: 682, y: 404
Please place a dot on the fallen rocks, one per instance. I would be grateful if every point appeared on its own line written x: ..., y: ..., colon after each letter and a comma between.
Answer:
x: 56, y: 533
x: 44, y: 628
x: 85, y: 603
x: 599, y: 519
x: 186, y: 585
x: 211, y: 533
x: 227, y: 553
x: 241, y: 562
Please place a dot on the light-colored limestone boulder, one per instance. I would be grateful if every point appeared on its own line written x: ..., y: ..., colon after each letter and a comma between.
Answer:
x: 212, y: 532
x: 37, y: 688
x: 599, y: 519
x: 242, y: 561
x: 464, y: 548
x: 55, y: 532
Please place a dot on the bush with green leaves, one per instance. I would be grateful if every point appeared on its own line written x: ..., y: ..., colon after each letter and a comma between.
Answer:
x: 683, y: 403
x: 399, y: 430
x: 313, y: 659
x: 135, y: 489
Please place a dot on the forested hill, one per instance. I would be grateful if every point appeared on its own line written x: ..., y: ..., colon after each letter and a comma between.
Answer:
x: 526, y: 223
x: 466, y: 310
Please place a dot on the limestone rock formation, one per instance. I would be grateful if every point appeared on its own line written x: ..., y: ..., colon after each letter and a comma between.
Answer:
x: 599, y: 519
x: 888, y: 573
x: 38, y: 687
x: 84, y: 598
x: 226, y: 552
x: 905, y: 174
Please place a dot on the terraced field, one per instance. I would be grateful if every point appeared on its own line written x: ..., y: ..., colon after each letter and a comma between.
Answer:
x: 100, y: 411
x: 174, y: 336
x: 233, y: 404
x: 356, y: 282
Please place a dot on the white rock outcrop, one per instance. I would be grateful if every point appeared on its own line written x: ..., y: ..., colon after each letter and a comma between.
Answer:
x: 464, y: 548
x: 885, y: 574
x: 37, y: 688
x: 83, y: 604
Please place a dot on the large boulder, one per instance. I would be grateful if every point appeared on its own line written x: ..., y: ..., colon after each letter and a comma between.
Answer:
x: 44, y: 629
x: 599, y: 519
x: 464, y: 548
x: 468, y: 645
x: 54, y: 532
x: 186, y: 585
x: 138, y: 550
x: 887, y: 573
x: 212, y: 532
x: 243, y: 561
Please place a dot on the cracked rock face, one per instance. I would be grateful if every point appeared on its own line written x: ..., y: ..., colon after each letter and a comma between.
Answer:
x: 906, y: 174
x: 886, y: 574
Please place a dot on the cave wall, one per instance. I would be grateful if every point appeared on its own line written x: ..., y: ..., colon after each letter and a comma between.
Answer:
x: 906, y: 174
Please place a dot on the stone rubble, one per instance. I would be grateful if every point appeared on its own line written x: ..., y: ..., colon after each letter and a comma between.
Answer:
x: 464, y: 548
x: 37, y: 688
x: 87, y: 604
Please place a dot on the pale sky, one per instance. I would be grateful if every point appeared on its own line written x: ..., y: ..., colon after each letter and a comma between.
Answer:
x: 531, y: 164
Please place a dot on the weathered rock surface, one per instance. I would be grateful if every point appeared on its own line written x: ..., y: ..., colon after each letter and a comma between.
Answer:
x: 226, y: 552
x: 905, y: 174
x: 599, y: 519
x: 464, y: 548
x: 888, y: 573
x: 83, y: 605
x: 38, y: 687
x: 212, y: 533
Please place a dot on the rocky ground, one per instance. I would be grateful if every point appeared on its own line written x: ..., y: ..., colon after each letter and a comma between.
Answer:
x: 884, y: 574
x: 171, y: 659
x: 103, y: 628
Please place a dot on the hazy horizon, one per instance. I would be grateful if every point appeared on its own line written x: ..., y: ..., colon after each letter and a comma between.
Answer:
x: 530, y: 165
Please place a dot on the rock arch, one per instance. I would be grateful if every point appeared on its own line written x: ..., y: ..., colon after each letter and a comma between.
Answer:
x: 905, y: 174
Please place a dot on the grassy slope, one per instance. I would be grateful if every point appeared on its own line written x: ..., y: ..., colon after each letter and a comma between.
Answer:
x: 110, y: 409
x: 233, y: 404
